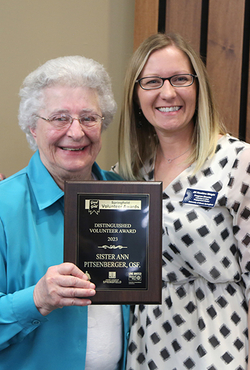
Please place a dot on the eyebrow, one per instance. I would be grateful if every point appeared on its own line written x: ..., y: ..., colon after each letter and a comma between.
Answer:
x: 88, y: 111
x: 66, y: 111
x: 174, y: 74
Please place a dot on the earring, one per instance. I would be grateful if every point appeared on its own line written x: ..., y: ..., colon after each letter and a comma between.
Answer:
x: 140, y: 118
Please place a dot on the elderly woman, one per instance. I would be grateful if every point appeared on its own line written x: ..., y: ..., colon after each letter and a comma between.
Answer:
x: 170, y: 132
x: 45, y: 310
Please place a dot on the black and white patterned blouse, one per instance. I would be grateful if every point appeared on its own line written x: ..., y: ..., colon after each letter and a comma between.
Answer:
x: 202, y: 322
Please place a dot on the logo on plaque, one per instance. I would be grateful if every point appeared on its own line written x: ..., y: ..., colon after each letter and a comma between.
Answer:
x: 112, y: 274
x: 93, y: 206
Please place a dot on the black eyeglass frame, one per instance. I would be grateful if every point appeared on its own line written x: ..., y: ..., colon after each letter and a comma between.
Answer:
x: 163, y: 79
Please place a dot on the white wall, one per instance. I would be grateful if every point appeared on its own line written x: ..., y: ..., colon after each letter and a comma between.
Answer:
x: 33, y: 31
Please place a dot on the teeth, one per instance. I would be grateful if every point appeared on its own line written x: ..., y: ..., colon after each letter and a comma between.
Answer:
x: 169, y: 109
x: 73, y: 150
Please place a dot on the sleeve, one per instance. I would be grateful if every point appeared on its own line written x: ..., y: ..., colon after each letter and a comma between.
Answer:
x: 239, y: 203
x: 18, y: 313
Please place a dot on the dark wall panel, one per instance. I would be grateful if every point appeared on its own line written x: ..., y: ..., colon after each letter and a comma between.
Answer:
x: 224, y: 57
x: 219, y: 31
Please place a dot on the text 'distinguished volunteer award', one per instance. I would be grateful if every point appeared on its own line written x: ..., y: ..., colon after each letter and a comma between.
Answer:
x: 113, y: 232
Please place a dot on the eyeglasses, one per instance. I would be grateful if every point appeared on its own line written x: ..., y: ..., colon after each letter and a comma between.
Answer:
x: 155, y: 82
x: 62, y: 121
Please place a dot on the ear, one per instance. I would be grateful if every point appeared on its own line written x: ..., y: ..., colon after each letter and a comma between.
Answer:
x: 33, y: 132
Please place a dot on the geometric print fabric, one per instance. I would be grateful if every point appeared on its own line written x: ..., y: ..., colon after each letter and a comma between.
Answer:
x: 202, y: 321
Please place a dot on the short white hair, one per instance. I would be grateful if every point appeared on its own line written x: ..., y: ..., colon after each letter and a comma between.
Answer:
x: 72, y: 71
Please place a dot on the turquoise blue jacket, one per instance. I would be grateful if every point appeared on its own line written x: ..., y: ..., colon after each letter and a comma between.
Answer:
x: 31, y: 240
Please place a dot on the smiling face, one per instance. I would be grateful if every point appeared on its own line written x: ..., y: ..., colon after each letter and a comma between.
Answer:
x: 169, y: 109
x: 68, y: 154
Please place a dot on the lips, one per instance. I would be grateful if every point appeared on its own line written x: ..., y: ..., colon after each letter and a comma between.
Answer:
x: 169, y: 109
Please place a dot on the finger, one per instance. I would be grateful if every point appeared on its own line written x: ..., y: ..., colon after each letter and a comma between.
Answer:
x: 74, y: 282
x: 75, y: 293
x: 68, y: 268
x: 75, y: 302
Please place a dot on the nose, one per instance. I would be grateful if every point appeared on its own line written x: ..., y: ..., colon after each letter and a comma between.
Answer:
x: 75, y: 130
x: 167, y: 90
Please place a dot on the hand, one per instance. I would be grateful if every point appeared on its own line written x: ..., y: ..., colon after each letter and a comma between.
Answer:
x: 2, y: 176
x: 62, y: 285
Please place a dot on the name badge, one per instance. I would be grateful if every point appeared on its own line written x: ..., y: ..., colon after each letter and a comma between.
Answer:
x: 200, y: 198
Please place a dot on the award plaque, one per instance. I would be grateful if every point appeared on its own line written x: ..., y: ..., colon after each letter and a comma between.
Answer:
x: 113, y: 233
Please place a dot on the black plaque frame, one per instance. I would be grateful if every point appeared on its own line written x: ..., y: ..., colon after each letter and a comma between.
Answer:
x: 77, y: 192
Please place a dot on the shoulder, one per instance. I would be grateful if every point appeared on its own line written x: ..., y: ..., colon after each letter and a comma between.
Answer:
x: 230, y: 142
x: 231, y: 155
x: 13, y: 194
x: 230, y: 149
x: 13, y: 183
x: 105, y: 175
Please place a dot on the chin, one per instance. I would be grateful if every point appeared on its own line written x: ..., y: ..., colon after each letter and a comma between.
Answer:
x: 80, y: 172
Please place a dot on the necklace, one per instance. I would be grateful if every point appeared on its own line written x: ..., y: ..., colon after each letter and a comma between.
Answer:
x: 169, y: 160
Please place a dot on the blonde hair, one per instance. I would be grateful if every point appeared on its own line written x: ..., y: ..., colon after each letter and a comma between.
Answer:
x: 136, y: 144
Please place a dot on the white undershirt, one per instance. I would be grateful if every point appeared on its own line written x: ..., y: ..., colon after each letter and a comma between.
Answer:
x: 104, y: 338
